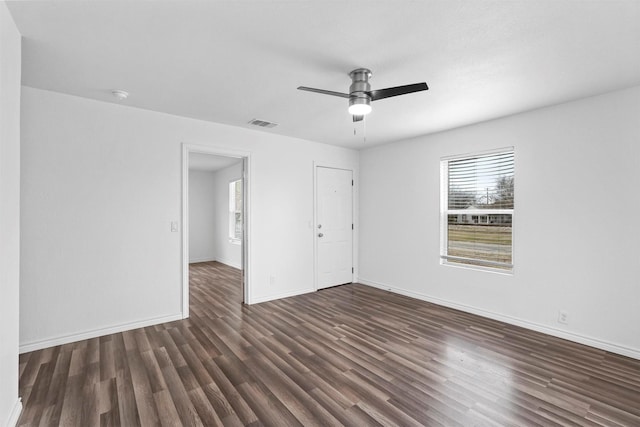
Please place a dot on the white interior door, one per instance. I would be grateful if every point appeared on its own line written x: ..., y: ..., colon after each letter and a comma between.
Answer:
x: 334, y: 227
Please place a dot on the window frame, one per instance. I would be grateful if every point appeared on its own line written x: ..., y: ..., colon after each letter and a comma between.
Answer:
x: 472, y: 263
x: 233, y: 211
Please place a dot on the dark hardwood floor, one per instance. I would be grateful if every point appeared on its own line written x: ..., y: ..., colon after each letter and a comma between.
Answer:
x: 350, y: 355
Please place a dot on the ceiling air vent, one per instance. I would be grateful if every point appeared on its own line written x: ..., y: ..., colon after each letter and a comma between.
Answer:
x: 262, y: 123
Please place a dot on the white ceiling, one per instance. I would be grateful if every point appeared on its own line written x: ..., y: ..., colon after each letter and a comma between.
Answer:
x: 210, y: 162
x: 232, y: 61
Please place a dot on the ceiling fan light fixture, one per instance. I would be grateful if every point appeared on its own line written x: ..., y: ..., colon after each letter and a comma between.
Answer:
x: 360, y: 94
x: 120, y: 95
x: 359, y: 106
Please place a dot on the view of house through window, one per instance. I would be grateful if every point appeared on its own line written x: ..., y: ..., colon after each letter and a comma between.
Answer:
x: 477, y: 194
x: 235, y: 211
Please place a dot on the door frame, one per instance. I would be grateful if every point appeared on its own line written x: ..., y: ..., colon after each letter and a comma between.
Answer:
x: 317, y: 165
x: 245, y: 156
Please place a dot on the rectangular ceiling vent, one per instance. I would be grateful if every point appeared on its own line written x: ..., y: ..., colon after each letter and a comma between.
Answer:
x: 262, y: 123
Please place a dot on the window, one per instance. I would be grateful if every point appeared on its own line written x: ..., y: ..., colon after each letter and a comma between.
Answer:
x: 235, y: 211
x: 476, y: 210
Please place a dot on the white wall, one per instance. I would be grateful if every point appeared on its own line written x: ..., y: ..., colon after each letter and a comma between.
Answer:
x: 202, y: 216
x: 226, y: 252
x: 576, y: 228
x: 209, y: 216
x: 101, y: 183
x: 10, y: 58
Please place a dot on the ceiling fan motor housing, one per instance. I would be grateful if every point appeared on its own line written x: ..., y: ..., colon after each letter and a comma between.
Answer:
x: 360, y: 94
x: 360, y: 87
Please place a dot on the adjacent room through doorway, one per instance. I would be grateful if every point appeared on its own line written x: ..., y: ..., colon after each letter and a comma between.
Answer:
x: 214, y: 224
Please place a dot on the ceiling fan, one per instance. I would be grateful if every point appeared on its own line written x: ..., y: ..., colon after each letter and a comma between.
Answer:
x: 360, y: 94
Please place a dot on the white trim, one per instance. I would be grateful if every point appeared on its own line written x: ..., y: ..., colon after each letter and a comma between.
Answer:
x: 578, y: 338
x: 283, y: 295
x: 221, y: 261
x: 247, y: 165
x: 475, y: 267
x: 483, y: 153
x: 317, y: 165
x: 204, y: 259
x: 65, y: 339
x: 445, y: 212
x: 185, y: 236
x: 14, y: 416
x: 230, y: 264
x: 484, y: 212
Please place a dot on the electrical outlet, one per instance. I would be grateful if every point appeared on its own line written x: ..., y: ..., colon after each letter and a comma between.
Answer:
x: 272, y: 280
x: 563, y: 317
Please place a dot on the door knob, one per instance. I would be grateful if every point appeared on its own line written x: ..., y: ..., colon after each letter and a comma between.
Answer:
x: 320, y: 234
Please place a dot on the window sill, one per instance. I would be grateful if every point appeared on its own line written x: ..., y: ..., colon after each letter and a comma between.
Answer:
x: 477, y: 268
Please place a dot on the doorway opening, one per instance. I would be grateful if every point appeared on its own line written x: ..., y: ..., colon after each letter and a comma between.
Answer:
x: 215, y: 212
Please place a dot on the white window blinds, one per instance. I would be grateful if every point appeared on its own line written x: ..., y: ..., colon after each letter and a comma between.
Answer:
x: 477, y: 211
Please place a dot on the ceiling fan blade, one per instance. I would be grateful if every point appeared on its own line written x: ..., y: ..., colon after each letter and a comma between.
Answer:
x: 358, y: 118
x: 398, y: 90
x: 325, y: 92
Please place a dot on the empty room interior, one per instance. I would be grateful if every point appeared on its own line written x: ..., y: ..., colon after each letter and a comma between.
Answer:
x: 271, y: 212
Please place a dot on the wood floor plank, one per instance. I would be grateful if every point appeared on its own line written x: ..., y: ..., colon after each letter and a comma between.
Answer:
x: 230, y: 392
x: 288, y: 391
x: 142, y: 390
x: 349, y: 355
x: 267, y: 407
x: 206, y: 413
x: 127, y: 408
x: 56, y: 393
x: 90, y: 411
x: 167, y: 411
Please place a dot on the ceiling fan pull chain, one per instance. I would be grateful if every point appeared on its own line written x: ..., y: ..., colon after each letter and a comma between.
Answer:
x: 364, y: 130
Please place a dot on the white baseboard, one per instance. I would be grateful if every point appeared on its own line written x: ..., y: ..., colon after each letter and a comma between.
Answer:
x: 204, y: 259
x: 278, y: 296
x: 15, y: 413
x: 581, y: 339
x: 51, y: 342
x: 229, y: 263
x: 221, y: 261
